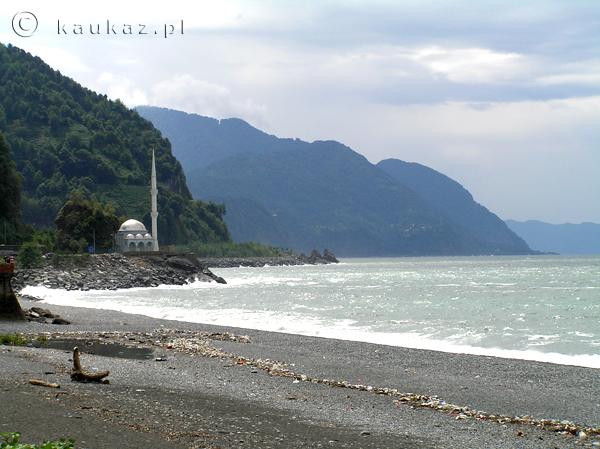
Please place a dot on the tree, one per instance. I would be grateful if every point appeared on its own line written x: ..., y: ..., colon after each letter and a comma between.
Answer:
x: 80, y: 220
x: 10, y: 195
x: 30, y: 256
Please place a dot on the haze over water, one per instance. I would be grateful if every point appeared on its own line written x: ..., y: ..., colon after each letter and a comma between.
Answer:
x: 544, y: 308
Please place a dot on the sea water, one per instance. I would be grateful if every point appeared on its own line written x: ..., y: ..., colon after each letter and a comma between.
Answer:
x: 544, y: 308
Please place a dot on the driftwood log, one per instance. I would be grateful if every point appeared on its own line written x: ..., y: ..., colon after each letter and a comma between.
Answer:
x: 43, y: 383
x: 78, y: 373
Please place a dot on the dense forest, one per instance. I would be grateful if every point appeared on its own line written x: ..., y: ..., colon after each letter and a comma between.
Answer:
x: 65, y: 138
x: 10, y: 195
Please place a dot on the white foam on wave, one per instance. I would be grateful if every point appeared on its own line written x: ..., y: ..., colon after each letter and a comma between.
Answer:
x: 291, y: 323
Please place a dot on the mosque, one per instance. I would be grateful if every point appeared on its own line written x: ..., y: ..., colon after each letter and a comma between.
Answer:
x: 132, y: 235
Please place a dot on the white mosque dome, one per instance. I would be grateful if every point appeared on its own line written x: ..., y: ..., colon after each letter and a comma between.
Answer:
x: 133, y: 235
x: 133, y: 226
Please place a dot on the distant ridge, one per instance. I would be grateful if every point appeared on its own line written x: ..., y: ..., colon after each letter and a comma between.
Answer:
x: 456, y: 201
x: 198, y: 141
x: 326, y: 195
x: 300, y: 195
x: 565, y: 238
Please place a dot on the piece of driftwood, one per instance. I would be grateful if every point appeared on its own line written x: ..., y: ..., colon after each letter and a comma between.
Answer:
x: 43, y: 384
x: 78, y: 373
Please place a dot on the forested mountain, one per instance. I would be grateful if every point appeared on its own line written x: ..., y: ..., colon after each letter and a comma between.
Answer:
x: 65, y: 138
x: 565, y: 238
x: 457, y: 203
x: 326, y: 195
x: 290, y: 193
x: 199, y: 141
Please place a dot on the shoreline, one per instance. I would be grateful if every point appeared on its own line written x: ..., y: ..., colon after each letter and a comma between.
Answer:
x: 581, y: 360
x: 115, y: 271
x: 315, y: 258
x: 310, y: 413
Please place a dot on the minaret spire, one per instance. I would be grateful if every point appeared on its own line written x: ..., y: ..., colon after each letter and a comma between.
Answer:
x: 154, y: 213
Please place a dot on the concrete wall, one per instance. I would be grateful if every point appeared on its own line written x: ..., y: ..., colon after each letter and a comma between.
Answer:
x: 10, y: 309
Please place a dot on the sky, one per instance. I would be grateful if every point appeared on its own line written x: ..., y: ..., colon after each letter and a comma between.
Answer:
x: 501, y: 96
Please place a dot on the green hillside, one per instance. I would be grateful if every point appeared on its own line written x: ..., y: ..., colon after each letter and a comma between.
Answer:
x: 326, y: 195
x: 65, y: 138
x: 200, y: 141
x: 249, y: 221
x: 458, y: 204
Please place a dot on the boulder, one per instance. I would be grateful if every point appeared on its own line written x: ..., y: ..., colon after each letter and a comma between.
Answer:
x: 329, y: 257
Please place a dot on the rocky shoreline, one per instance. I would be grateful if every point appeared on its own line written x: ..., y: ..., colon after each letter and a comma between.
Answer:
x: 114, y: 271
x: 315, y: 258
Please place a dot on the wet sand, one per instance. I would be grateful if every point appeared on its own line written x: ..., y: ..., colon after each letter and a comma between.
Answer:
x: 192, y: 401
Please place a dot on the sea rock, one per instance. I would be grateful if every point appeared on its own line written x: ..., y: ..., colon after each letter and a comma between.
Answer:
x: 40, y: 315
x: 286, y: 260
x: 328, y: 256
x: 39, y: 312
x: 60, y: 320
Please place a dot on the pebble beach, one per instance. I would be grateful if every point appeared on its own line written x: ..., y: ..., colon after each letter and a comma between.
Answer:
x: 214, y: 387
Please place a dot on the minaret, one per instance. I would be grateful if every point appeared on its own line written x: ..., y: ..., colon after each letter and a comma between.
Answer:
x: 154, y: 213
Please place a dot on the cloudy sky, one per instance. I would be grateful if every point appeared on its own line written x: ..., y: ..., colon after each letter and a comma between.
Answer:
x: 502, y: 96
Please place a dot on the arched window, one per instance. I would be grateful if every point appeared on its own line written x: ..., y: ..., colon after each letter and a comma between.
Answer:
x: 131, y: 246
x: 149, y: 246
x: 140, y: 246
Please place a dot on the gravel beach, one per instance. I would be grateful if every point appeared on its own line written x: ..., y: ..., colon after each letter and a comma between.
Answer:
x: 276, y: 390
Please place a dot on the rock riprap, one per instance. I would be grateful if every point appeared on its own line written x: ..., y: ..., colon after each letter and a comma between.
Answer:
x: 114, y: 271
x: 314, y: 258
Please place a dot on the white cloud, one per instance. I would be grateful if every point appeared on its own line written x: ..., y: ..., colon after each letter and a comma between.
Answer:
x: 186, y: 93
x: 471, y: 65
x: 116, y: 86
x: 66, y: 61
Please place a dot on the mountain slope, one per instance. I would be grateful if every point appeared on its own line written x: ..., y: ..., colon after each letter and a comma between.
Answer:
x: 457, y: 203
x: 326, y: 195
x: 198, y: 141
x: 565, y: 238
x: 249, y: 221
x: 66, y: 138
x: 286, y: 192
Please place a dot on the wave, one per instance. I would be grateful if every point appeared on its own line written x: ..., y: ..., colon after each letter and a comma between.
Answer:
x: 166, y: 306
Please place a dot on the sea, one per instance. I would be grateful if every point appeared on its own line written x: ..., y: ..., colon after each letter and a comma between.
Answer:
x: 542, y: 308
